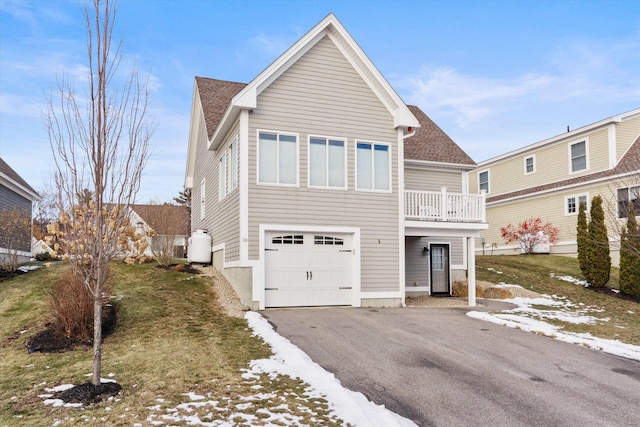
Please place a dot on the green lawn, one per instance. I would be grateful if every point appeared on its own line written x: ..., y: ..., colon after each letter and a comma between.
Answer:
x: 534, y: 272
x: 172, y: 338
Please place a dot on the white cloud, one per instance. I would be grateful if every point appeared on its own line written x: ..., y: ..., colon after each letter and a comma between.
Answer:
x: 582, y: 72
x: 469, y: 99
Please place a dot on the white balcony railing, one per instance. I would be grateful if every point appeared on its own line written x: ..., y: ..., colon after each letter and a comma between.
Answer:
x: 443, y: 206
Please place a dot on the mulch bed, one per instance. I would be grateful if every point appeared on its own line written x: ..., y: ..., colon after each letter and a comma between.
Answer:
x: 5, y: 275
x: 183, y: 268
x: 610, y: 292
x: 48, y: 341
x: 88, y: 393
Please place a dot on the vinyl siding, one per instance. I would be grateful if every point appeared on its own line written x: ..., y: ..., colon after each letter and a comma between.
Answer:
x: 9, y: 199
x: 322, y: 95
x: 551, y: 207
x: 626, y: 133
x: 221, y: 216
x: 417, y: 262
x: 432, y: 180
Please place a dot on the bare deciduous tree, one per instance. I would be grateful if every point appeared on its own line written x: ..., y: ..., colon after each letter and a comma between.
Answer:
x: 100, y: 143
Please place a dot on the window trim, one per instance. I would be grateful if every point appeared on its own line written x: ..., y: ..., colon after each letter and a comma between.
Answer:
x: 577, y: 203
x: 327, y: 139
x: 625, y: 214
x: 488, y: 190
x: 586, y: 155
x: 390, y: 176
x: 277, y: 133
x: 228, y: 179
x: 533, y: 164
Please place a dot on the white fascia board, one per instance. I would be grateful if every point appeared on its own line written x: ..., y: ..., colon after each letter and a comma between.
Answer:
x: 247, y: 98
x: 443, y: 229
x: 563, y: 136
x: 18, y: 188
x: 230, y: 114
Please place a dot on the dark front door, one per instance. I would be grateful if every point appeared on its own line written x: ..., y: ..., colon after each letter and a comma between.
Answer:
x: 439, y: 267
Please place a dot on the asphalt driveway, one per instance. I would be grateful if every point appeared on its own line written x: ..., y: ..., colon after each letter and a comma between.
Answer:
x: 439, y: 367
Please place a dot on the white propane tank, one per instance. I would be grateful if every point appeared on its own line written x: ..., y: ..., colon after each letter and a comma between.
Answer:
x: 199, y: 249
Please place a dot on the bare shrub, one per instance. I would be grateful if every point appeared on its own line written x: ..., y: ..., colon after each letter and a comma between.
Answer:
x: 71, y: 306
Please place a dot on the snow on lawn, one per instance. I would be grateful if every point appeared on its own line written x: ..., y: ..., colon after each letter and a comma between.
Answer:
x: 351, y: 407
x: 571, y: 280
x: 531, y: 313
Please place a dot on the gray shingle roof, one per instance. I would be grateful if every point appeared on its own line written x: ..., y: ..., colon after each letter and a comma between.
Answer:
x: 430, y: 143
x: 215, y: 96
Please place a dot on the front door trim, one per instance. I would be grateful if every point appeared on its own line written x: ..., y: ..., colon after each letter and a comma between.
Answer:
x: 447, y: 267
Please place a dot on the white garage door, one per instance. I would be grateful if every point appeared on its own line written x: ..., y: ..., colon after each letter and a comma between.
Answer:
x: 308, y: 269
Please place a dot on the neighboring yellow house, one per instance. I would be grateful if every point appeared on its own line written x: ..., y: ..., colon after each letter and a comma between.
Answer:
x: 551, y: 177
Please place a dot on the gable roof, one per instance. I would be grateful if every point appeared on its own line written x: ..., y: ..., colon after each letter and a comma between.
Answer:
x: 215, y: 97
x: 246, y: 98
x: 627, y: 164
x: 432, y: 144
x: 165, y: 219
x: 10, y: 179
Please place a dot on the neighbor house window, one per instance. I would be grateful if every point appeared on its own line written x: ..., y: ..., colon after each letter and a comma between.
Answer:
x: 578, y: 153
x: 373, y: 164
x: 529, y: 165
x: 229, y: 169
x: 483, y: 181
x: 627, y: 196
x: 277, y: 158
x: 572, y: 204
x: 327, y: 164
x: 202, y: 200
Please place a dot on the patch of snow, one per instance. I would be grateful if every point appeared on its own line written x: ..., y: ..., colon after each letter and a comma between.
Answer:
x: 350, y: 406
x: 528, y: 319
x: 571, y: 280
x: 61, y: 387
x: 27, y: 268
x: 193, y: 396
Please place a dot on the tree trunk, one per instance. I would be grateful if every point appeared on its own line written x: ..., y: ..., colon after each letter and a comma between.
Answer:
x: 97, y: 338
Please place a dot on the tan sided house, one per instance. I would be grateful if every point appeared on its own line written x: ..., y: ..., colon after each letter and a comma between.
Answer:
x: 551, y: 178
x: 319, y: 186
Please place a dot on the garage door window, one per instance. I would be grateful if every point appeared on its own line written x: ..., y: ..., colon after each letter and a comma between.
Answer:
x: 297, y: 239
x: 328, y: 240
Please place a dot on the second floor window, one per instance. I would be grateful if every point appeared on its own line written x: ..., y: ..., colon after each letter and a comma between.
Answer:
x: 529, y: 165
x: 277, y: 158
x: 483, y: 181
x: 373, y: 164
x: 578, y: 156
x: 327, y: 163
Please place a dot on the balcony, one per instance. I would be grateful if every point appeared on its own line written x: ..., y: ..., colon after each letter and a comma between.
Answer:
x: 442, y: 206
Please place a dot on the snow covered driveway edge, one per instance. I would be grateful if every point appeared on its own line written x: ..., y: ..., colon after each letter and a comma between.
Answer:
x: 352, y: 407
x: 515, y: 319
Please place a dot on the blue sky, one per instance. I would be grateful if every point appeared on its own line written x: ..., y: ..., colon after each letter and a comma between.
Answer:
x: 494, y: 75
